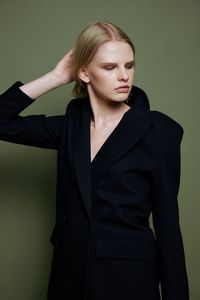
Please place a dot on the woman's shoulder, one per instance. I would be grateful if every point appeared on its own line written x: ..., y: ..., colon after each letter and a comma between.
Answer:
x: 139, y: 102
x: 74, y: 104
x: 165, y: 129
x: 164, y: 121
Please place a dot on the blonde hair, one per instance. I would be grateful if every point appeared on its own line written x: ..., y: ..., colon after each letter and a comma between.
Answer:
x: 87, y: 44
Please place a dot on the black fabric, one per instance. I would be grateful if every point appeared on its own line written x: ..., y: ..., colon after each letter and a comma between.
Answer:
x: 103, y: 245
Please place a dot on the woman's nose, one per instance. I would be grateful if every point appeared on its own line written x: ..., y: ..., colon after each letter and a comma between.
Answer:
x: 123, y: 75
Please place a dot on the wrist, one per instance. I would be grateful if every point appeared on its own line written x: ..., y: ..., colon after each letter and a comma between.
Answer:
x: 41, y: 85
x: 55, y: 80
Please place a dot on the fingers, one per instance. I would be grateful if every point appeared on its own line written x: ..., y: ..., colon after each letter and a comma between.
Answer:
x: 70, y: 53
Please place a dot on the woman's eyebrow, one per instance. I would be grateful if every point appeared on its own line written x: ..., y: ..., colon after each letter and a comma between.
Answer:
x: 114, y: 63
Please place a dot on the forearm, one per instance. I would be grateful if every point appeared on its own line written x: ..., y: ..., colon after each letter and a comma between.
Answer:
x: 33, y: 130
x: 41, y: 85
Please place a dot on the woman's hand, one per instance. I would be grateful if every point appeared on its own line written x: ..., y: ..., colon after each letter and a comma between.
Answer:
x: 60, y: 75
x: 63, y: 70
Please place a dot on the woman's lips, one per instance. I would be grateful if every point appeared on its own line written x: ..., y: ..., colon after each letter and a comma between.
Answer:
x: 122, y: 89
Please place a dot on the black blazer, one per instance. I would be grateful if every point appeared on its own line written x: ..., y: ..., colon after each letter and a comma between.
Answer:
x: 104, y: 247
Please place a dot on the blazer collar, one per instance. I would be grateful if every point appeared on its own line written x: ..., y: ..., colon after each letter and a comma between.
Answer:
x: 128, y: 132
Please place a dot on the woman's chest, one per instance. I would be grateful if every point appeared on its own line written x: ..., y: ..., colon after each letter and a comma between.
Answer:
x: 99, y: 136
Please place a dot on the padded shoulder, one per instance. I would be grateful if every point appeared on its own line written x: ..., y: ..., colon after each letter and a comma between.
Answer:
x: 165, y: 130
x: 164, y: 120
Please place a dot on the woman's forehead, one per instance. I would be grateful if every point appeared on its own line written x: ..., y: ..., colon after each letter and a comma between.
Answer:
x: 113, y: 51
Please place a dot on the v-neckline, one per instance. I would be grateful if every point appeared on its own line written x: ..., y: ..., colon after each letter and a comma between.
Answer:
x: 108, y: 138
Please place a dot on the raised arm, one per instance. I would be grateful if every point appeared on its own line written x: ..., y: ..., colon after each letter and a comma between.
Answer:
x: 34, y: 130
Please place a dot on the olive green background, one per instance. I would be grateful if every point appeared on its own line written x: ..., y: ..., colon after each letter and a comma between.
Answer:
x: 34, y: 35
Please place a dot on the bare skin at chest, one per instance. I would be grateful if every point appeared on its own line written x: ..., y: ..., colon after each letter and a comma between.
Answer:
x: 99, y: 135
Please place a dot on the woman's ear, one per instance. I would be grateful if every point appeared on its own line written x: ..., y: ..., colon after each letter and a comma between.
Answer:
x: 83, y: 75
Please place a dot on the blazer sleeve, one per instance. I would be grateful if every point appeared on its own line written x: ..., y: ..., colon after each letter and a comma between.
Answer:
x: 171, y: 256
x: 32, y: 130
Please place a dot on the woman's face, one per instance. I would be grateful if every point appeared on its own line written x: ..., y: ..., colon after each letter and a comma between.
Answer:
x: 109, y: 76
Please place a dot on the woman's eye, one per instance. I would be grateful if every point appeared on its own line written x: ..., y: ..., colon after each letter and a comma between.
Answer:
x: 129, y: 66
x: 109, y: 67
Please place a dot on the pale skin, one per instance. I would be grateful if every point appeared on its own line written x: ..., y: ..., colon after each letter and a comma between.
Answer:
x: 109, y: 77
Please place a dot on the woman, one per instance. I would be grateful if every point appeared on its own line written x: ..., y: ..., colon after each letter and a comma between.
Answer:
x: 118, y: 162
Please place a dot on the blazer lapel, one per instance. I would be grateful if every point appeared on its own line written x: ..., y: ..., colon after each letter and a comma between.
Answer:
x: 127, y: 133
x: 81, y: 151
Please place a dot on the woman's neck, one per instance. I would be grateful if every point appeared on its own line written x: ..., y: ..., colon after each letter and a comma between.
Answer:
x: 105, y: 112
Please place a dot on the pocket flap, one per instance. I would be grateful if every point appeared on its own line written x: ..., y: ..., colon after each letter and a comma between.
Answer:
x: 136, y: 248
